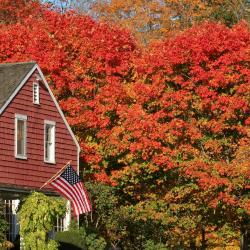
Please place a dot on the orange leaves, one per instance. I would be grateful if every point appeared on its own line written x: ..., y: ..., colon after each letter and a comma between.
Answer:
x: 246, y: 206
x: 152, y: 20
x: 104, y: 178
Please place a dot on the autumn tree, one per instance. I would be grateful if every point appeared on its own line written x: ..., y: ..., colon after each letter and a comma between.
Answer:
x: 184, y: 130
x: 153, y: 19
x: 149, y: 20
x: 167, y: 126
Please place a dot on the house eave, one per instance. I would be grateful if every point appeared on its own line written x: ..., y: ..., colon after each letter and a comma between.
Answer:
x: 16, y: 191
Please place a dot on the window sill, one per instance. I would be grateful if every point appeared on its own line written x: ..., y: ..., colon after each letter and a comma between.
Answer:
x: 20, y: 157
x: 50, y: 162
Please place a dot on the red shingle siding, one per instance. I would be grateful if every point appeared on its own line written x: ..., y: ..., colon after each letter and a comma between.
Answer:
x: 33, y: 172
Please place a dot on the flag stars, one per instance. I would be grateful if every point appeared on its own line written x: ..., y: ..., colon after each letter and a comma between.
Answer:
x: 70, y: 176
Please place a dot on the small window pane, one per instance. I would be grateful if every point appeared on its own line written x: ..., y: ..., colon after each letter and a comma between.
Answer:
x: 20, y: 139
x: 49, y: 142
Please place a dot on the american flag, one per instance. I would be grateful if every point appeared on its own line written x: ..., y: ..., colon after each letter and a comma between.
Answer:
x: 70, y: 186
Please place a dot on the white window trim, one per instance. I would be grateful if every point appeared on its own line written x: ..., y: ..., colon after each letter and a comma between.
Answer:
x: 23, y: 118
x: 38, y: 94
x: 47, y: 122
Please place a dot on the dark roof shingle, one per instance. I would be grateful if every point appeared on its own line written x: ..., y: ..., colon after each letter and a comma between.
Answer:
x: 11, y: 75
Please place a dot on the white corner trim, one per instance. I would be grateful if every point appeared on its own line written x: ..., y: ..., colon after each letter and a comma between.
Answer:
x: 78, y: 160
x: 51, y: 94
x: 67, y: 218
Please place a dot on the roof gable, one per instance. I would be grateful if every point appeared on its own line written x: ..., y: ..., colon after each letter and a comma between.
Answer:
x: 11, y: 75
x: 15, y: 83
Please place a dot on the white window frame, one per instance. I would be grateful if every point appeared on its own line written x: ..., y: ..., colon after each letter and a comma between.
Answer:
x: 50, y: 123
x: 36, y: 87
x: 10, y: 213
x: 22, y: 118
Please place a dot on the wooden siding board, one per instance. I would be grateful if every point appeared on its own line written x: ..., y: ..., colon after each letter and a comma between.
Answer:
x: 33, y: 172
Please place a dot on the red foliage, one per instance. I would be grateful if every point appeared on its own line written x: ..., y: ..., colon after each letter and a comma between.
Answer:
x: 85, y: 63
x: 194, y: 101
x: 14, y: 11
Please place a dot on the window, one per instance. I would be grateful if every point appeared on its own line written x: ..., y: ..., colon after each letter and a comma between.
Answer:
x: 49, y: 141
x: 10, y: 214
x: 60, y: 224
x: 20, y: 136
x: 35, y: 93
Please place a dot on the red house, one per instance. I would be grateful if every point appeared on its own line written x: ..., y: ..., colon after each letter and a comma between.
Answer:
x: 35, y: 139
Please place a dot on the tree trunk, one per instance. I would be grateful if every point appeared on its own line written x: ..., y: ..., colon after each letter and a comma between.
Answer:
x: 192, y: 245
x: 203, y: 238
x: 244, y: 241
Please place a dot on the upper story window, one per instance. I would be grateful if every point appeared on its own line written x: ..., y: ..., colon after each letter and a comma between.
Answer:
x: 20, y: 136
x: 49, y: 141
x: 36, y: 93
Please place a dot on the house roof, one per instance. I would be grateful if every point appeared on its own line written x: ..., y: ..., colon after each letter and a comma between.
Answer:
x: 11, y: 75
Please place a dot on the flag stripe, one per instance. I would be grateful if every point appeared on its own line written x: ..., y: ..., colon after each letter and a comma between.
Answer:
x: 76, y: 196
x: 86, y: 197
x: 82, y: 195
x: 71, y: 196
x: 81, y: 198
x: 62, y: 191
x: 75, y: 208
x: 66, y: 192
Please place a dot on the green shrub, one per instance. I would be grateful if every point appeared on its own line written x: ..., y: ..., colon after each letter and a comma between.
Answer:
x: 73, y: 239
x: 150, y: 245
x: 3, y: 224
x: 79, y: 239
x: 93, y: 242
x: 37, y: 217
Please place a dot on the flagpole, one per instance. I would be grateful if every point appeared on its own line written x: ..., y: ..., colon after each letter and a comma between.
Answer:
x: 55, y: 175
